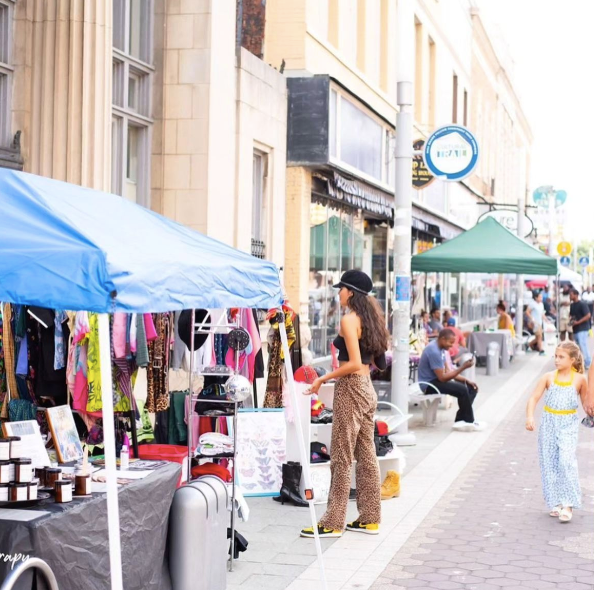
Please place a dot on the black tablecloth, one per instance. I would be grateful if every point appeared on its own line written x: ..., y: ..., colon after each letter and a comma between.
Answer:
x: 73, y: 538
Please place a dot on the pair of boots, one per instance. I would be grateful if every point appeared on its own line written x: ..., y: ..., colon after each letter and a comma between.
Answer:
x: 289, y: 491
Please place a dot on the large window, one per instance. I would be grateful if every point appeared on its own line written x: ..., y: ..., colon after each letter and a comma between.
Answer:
x: 260, y: 174
x: 132, y: 86
x: 336, y: 245
x: 6, y: 8
x: 358, y: 140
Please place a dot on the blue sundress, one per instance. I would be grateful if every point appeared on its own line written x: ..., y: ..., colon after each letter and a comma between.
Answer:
x: 557, y: 445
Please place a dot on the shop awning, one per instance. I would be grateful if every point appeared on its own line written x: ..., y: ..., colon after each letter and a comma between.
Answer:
x: 63, y: 246
x: 487, y: 248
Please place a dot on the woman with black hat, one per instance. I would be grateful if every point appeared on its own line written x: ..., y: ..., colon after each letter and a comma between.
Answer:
x: 362, y: 341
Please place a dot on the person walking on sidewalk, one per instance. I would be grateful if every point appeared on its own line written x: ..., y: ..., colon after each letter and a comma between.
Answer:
x: 537, y: 313
x: 433, y: 369
x: 580, y: 315
x: 362, y: 340
x: 558, y: 432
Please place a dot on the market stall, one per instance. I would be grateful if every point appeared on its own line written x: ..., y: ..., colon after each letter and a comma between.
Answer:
x: 67, y: 247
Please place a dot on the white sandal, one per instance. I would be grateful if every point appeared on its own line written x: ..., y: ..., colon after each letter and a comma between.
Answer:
x: 566, y: 514
x: 556, y: 512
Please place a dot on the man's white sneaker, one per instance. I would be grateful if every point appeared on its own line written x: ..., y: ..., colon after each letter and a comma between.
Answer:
x: 461, y: 425
x: 478, y: 426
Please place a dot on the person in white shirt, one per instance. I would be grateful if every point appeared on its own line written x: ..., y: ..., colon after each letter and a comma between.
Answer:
x: 588, y: 297
x: 537, y: 313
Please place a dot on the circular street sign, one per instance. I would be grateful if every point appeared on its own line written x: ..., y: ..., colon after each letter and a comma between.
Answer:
x: 451, y: 153
x: 584, y: 261
x: 541, y: 195
x: 565, y: 260
x: 560, y: 198
x: 564, y: 249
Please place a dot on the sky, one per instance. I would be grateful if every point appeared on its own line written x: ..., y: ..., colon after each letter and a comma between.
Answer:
x: 552, y: 45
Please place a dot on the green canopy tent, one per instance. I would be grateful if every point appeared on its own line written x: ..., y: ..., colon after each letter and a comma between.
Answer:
x: 486, y: 248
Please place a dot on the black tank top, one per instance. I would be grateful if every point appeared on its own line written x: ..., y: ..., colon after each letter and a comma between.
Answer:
x: 366, y: 357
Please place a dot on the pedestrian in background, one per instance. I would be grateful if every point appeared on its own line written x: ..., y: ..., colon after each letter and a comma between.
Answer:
x: 505, y: 321
x: 362, y: 341
x: 558, y: 432
x: 537, y: 314
x: 565, y: 330
x: 580, y: 320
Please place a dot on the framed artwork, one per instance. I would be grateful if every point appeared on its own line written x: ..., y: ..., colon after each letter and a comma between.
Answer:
x: 31, y: 440
x: 261, y: 451
x: 64, y: 434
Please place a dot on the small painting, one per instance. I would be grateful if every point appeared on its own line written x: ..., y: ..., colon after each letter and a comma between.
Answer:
x: 64, y: 434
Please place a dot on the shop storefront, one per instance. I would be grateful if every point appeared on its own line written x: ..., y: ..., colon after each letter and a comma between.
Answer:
x: 344, y: 150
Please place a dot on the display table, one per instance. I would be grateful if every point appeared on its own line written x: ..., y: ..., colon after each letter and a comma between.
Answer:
x: 72, y: 538
x: 478, y: 342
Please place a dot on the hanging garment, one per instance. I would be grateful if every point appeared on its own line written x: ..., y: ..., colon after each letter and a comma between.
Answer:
x: 20, y: 410
x: 2, y: 366
x: 178, y: 431
x: 9, y: 358
x: 142, y: 351
x: 157, y: 399
x: 80, y: 342
x: 144, y: 428
x: 119, y: 334
x: 149, y: 327
x: 94, y: 402
x: 60, y: 318
x: 274, y: 385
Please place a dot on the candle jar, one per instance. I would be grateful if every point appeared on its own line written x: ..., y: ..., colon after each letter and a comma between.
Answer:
x: 82, y: 484
x: 18, y: 492
x: 23, y: 471
x: 5, y: 472
x: 51, y: 475
x: 11, y: 469
x: 32, y: 490
x: 4, y: 449
x: 16, y: 447
x: 4, y: 495
x: 40, y: 475
x: 63, y: 491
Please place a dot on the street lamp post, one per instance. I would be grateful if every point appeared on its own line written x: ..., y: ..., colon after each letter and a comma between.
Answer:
x: 403, y: 216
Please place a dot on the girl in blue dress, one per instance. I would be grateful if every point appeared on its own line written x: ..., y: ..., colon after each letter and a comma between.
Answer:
x: 558, y: 432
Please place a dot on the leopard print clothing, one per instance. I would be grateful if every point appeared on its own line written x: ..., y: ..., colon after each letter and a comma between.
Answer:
x: 355, y: 402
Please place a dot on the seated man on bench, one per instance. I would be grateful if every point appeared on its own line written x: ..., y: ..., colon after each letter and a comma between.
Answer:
x: 433, y: 369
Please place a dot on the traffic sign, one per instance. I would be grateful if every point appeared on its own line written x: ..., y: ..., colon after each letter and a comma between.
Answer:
x: 584, y: 261
x: 541, y: 195
x: 560, y: 198
x: 451, y: 153
x: 565, y: 260
x: 564, y: 249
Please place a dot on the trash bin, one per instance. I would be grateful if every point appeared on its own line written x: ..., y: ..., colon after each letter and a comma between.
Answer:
x: 493, y: 359
x: 198, y: 550
x: 470, y: 373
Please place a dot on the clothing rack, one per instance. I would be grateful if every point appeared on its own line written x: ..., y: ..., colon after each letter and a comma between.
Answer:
x: 205, y: 327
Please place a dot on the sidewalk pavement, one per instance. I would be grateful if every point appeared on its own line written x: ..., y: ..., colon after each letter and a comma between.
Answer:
x: 442, y: 459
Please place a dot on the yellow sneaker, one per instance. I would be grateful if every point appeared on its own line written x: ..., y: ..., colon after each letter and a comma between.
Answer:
x: 368, y: 529
x: 323, y: 532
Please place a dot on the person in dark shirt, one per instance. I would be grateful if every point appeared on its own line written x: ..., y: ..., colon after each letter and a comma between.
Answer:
x: 580, y: 317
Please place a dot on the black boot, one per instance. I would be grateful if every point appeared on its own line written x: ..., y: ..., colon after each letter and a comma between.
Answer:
x: 289, y: 491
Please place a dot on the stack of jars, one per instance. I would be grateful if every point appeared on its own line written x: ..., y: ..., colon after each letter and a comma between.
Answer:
x: 17, y: 483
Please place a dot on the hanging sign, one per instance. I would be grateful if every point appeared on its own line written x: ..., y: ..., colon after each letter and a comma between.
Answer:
x: 508, y: 218
x: 584, y: 261
x: 564, y: 249
x: 565, y: 260
x: 451, y: 153
x: 421, y: 177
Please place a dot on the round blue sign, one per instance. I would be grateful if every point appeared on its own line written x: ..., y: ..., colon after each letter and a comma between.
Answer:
x: 565, y: 260
x: 451, y: 153
x: 584, y: 261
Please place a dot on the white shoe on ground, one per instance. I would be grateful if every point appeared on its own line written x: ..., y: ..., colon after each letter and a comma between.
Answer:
x: 462, y: 426
x: 478, y: 426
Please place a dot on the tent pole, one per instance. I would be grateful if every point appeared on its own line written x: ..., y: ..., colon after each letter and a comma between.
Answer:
x: 305, y: 457
x: 113, y: 518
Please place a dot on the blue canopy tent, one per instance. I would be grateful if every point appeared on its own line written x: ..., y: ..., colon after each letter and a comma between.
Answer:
x: 63, y: 246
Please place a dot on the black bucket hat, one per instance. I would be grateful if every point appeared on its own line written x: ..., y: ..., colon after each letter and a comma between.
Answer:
x: 355, y: 280
x: 184, y: 326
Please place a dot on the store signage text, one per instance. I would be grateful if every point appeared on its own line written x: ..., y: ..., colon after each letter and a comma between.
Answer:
x: 451, y: 153
x: 421, y: 177
x: 508, y: 218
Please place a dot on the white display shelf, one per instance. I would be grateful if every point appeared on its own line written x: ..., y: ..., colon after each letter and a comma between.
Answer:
x: 320, y: 472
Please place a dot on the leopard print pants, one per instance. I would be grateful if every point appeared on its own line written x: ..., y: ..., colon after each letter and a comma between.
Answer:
x: 355, y: 402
